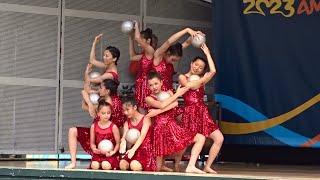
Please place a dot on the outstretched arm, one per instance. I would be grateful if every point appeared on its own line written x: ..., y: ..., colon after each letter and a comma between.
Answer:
x: 161, y: 105
x: 155, y: 112
x: 93, y: 59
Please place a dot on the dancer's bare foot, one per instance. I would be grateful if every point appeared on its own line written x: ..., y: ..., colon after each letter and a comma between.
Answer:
x: 177, y: 167
x: 193, y: 169
x: 166, y: 169
x: 71, y: 166
x: 209, y: 170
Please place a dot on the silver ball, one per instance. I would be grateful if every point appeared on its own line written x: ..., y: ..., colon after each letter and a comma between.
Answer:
x: 94, y: 75
x: 198, y: 40
x: 132, y: 135
x: 193, y: 78
x: 162, y: 96
x: 94, y: 98
x: 105, y: 146
x: 127, y: 27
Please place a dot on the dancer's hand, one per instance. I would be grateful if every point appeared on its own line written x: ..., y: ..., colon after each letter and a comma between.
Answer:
x: 131, y: 153
x: 89, y: 68
x: 97, y: 38
x: 135, y: 24
x: 96, y: 151
x: 191, y: 32
x: 123, y: 145
x: 181, y: 90
x: 205, y: 48
x: 110, y: 153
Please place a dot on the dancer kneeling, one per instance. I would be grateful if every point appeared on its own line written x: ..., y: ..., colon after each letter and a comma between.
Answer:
x: 137, y: 137
x: 104, y: 140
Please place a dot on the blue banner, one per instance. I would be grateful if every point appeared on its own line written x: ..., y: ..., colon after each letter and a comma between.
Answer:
x: 268, y: 71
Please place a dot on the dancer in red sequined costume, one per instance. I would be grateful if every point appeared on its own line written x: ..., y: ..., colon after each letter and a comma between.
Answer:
x: 169, y: 53
x: 145, y: 40
x: 169, y: 137
x: 110, y: 58
x: 100, y: 130
x: 196, y: 116
x: 108, y: 93
x: 140, y: 157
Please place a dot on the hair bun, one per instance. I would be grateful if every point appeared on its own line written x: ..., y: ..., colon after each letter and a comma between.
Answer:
x: 148, y: 30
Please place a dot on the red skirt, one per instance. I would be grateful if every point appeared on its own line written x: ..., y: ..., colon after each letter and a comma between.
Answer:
x: 169, y: 137
x: 197, y: 119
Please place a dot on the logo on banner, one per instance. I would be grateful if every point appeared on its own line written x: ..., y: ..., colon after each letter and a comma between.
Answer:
x: 286, y: 8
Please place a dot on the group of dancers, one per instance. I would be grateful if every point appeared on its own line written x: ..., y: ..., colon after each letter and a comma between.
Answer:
x: 166, y: 129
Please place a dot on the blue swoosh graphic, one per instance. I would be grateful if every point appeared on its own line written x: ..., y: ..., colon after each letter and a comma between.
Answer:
x: 248, y: 113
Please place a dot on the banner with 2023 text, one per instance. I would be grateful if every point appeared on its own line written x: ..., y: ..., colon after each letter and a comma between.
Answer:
x: 268, y: 71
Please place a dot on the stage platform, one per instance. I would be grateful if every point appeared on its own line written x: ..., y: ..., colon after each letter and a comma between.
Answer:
x: 55, y: 170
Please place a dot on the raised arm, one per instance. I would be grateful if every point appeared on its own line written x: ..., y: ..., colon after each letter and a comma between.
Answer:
x: 147, y: 48
x: 143, y: 133
x: 87, y: 104
x: 187, y: 43
x: 204, y: 79
x: 132, y: 52
x: 208, y: 76
x: 86, y: 84
x: 93, y: 59
x: 172, y: 39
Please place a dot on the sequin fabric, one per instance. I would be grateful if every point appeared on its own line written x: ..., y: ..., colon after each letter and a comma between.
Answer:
x: 114, y: 75
x: 141, y: 83
x: 117, y: 116
x: 168, y: 136
x: 144, y: 153
x: 102, y: 134
x: 196, y: 116
x: 166, y: 71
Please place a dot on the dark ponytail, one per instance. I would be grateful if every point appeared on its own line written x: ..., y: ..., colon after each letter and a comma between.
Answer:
x: 147, y: 34
x: 175, y: 50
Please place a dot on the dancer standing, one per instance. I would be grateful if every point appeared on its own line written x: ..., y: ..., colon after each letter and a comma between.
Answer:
x: 145, y: 41
x: 196, y: 116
